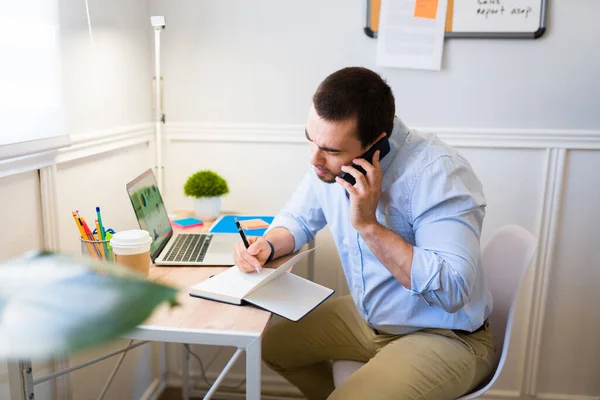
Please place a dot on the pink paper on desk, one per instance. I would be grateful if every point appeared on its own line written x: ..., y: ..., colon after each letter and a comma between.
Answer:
x: 256, y: 223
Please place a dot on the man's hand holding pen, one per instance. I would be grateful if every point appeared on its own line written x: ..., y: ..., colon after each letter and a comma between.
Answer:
x: 251, y: 259
x: 251, y: 253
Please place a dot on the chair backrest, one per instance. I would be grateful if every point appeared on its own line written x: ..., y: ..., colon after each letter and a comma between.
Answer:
x: 506, y: 258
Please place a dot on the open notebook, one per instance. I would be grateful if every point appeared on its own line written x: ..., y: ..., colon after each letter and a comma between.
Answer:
x: 276, y: 290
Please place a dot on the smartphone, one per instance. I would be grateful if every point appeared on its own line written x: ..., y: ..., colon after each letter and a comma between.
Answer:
x: 383, y: 145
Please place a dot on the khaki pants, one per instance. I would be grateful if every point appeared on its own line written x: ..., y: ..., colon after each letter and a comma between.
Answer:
x: 428, y: 364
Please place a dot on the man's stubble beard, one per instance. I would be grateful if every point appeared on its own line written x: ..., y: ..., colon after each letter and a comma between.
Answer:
x: 330, y: 178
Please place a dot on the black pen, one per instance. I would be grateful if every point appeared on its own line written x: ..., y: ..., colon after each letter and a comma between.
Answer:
x: 241, y: 231
x: 243, y: 235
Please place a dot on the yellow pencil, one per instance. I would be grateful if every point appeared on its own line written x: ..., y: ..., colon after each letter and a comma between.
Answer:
x: 90, y: 247
x: 79, y: 227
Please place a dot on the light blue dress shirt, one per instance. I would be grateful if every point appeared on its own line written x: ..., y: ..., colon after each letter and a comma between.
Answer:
x: 431, y: 198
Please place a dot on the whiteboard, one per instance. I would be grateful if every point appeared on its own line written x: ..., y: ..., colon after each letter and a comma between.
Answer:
x: 481, y: 18
x: 31, y: 107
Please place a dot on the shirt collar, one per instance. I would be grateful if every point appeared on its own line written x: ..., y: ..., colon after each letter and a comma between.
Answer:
x: 397, y: 138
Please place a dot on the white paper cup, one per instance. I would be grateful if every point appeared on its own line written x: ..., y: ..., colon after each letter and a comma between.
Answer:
x: 132, y: 249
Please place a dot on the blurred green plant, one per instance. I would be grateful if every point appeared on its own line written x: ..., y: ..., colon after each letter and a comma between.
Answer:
x: 205, y: 184
x: 52, y: 304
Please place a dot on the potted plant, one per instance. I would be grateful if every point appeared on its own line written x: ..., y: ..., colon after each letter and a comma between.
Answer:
x: 206, y: 187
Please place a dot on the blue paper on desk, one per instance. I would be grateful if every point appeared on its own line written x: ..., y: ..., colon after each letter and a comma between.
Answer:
x: 227, y: 224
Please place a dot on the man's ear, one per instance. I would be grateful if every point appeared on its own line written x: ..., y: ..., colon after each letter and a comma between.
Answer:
x: 382, y: 135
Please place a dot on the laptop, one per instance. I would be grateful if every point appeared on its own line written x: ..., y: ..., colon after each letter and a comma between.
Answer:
x: 168, y: 247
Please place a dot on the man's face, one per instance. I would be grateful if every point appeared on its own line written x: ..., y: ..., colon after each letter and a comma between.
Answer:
x: 332, y: 145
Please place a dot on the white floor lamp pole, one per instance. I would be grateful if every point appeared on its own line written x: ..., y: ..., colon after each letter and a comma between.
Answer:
x: 158, y: 22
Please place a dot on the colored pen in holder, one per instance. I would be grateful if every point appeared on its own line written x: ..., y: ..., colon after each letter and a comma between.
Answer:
x: 97, y: 249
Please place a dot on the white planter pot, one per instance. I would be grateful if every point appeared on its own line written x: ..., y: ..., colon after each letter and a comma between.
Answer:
x: 207, y: 208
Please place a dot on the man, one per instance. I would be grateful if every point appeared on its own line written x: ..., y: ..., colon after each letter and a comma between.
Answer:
x: 407, y: 234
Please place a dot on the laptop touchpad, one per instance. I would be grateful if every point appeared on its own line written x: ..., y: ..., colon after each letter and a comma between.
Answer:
x: 222, y: 244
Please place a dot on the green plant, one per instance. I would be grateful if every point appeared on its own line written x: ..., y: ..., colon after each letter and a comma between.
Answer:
x: 205, y: 184
x: 55, y: 304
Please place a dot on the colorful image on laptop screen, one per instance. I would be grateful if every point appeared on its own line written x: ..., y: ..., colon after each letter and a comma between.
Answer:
x: 150, y: 210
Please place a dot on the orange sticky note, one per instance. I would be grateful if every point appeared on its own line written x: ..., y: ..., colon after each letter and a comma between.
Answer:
x: 449, y: 15
x: 426, y: 8
x: 253, y: 224
x: 375, y: 6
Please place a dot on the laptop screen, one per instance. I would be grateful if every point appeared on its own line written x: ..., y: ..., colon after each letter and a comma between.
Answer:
x: 150, y: 209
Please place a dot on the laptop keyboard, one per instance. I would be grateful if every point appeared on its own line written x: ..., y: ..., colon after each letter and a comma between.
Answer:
x: 189, y: 248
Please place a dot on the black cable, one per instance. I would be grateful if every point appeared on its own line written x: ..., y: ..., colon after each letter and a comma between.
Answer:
x: 203, y: 372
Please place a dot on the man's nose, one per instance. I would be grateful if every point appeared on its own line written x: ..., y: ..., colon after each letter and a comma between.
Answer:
x: 316, y: 156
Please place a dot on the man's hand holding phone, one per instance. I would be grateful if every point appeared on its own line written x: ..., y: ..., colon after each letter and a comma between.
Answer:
x: 251, y: 259
x: 365, y: 193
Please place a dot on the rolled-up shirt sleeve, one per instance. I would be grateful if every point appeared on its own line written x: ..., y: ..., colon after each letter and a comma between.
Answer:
x: 302, y: 215
x: 447, y: 209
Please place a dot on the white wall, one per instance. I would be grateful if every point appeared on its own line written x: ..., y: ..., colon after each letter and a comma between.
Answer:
x: 107, y: 94
x: 109, y: 84
x: 573, y: 365
x: 100, y: 180
x: 238, y: 81
x: 23, y: 215
x: 260, y: 61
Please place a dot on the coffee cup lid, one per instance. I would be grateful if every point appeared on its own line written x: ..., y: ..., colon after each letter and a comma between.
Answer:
x: 131, y: 238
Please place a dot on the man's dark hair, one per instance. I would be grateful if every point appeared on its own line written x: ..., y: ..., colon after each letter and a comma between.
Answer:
x: 360, y: 93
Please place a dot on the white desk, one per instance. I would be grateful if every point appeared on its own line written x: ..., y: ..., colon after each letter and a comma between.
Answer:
x: 198, y: 321
x: 195, y: 321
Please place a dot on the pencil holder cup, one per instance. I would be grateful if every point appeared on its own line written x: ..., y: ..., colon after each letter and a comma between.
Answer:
x: 97, y: 249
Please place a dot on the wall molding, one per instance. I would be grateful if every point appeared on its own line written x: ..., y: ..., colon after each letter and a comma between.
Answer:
x: 82, y: 145
x: 49, y: 203
x: 220, y: 132
x: 460, y: 137
x: 93, y: 143
x: 20, y: 165
x: 548, y: 230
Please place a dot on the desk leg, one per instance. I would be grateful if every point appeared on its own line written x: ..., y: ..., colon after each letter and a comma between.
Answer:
x: 162, y: 362
x: 253, y: 365
x: 185, y: 372
x: 20, y: 380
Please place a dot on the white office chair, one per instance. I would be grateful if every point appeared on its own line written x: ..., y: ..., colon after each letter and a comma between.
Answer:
x: 505, y: 259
